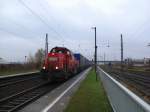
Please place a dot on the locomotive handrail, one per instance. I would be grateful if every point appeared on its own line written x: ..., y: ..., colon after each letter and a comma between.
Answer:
x: 120, y: 97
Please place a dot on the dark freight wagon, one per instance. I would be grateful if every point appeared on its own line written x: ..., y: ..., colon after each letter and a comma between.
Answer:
x: 83, y: 62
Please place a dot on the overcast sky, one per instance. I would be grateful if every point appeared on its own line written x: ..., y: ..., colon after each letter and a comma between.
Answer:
x: 24, y: 23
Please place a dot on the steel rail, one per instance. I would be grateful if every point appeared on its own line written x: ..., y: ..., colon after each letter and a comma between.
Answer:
x: 16, y: 101
x: 17, y: 81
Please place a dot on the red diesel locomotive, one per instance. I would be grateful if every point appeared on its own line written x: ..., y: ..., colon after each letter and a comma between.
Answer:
x: 62, y: 63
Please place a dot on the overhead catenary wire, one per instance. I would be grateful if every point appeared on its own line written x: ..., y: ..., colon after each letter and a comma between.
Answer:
x: 34, y: 13
x: 58, y: 24
x: 10, y: 32
x: 41, y: 19
x: 139, y: 28
x: 22, y: 26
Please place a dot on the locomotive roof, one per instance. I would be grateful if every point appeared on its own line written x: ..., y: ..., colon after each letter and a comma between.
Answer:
x: 61, y: 48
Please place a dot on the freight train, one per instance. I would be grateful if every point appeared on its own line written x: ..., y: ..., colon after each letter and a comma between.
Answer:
x: 61, y: 63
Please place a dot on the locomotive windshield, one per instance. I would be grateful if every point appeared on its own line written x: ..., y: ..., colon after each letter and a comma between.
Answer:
x: 54, y: 50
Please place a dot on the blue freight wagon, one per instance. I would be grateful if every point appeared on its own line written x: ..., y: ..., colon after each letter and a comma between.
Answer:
x: 83, y: 62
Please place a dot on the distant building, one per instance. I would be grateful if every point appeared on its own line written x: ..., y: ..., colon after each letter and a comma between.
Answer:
x: 138, y: 62
x: 135, y: 62
x: 128, y: 62
x: 146, y: 61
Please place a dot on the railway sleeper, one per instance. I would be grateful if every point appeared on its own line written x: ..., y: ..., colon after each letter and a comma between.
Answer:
x: 19, y: 100
x: 1, y: 110
x: 6, y: 107
x: 24, y: 98
x: 14, y: 103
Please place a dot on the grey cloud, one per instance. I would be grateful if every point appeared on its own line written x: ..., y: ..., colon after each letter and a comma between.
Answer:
x: 69, y: 23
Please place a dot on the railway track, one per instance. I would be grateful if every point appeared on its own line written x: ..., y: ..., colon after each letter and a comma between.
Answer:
x: 140, y: 83
x: 6, y: 80
x: 19, y: 84
x: 20, y: 90
x: 16, y: 93
x: 18, y: 100
x: 7, y: 83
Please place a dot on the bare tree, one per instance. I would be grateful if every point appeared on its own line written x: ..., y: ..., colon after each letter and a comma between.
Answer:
x: 30, y: 59
x: 39, y: 57
x: 36, y: 60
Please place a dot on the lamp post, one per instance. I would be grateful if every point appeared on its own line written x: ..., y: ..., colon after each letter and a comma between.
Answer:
x: 95, y: 54
x: 25, y: 59
x: 122, y: 53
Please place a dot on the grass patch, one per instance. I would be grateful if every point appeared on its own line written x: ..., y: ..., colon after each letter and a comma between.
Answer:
x: 90, y: 97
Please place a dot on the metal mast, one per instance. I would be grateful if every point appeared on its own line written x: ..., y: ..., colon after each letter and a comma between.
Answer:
x: 121, y: 51
x: 95, y: 54
x: 46, y: 45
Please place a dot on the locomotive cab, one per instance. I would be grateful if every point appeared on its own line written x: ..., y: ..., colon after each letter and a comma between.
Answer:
x: 55, y: 60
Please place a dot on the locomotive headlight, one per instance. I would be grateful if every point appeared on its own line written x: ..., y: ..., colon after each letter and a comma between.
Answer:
x: 44, y: 67
x: 56, y: 67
